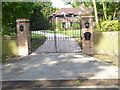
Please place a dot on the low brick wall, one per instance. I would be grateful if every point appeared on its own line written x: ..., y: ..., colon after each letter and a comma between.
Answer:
x: 9, y: 45
x: 106, y: 43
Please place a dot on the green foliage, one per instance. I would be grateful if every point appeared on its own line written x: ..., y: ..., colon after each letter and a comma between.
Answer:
x: 39, y: 18
x: 10, y: 12
x: 38, y: 36
x: 108, y: 26
x: 70, y: 28
x: 59, y: 26
x: 38, y: 13
x: 111, y: 13
x: 79, y: 81
x: 76, y: 25
x: 2, y: 61
x: 74, y: 33
x: 76, y: 4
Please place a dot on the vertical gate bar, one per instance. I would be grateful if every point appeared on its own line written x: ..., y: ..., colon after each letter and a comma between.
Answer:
x: 51, y: 27
x: 35, y: 34
x: 77, y: 32
x: 32, y: 34
x: 58, y: 37
x: 55, y: 42
x: 76, y: 35
x: 81, y: 35
x: 65, y: 35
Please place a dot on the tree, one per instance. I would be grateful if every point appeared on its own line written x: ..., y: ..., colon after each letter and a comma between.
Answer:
x: 104, y: 9
x: 95, y: 11
x: 74, y: 4
x: 39, y: 18
x: 77, y: 4
x: 10, y: 12
x: 87, y: 4
x: 38, y: 13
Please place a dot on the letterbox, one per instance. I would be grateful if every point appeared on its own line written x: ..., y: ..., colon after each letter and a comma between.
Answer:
x: 87, y: 35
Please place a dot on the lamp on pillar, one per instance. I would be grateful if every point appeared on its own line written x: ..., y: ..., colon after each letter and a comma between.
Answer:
x: 87, y: 24
x: 21, y: 28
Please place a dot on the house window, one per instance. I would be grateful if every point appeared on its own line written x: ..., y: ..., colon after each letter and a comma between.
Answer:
x: 71, y: 24
x: 63, y: 25
x: 67, y: 24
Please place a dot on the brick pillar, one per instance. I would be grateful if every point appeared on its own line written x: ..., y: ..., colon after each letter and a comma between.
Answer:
x: 23, y: 37
x: 87, y: 45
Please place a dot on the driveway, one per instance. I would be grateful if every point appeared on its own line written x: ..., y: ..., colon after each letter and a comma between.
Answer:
x: 61, y: 43
x: 57, y: 66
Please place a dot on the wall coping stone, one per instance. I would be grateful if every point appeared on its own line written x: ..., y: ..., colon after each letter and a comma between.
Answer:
x: 22, y: 19
x: 9, y: 37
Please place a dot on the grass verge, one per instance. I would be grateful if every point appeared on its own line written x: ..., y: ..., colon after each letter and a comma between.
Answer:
x: 72, y: 33
x: 37, y: 40
x: 8, y: 58
x: 34, y: 35
x: 59, y: 83
x: 113, y: 60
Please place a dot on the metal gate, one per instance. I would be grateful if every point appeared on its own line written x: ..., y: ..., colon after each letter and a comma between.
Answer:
x: 63, y: 35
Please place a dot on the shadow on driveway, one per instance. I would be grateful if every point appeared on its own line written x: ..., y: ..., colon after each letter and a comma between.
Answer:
x: 58, y: 66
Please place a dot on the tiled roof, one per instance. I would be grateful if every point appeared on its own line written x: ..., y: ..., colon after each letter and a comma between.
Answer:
x: 76, y: 11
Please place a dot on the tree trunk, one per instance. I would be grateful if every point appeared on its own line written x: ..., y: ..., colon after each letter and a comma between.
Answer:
x: 114, y: 15
x: 104, y: 10
x: 95, y: 10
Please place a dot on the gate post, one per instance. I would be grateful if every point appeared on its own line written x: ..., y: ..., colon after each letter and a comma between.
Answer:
x: 87, y: 38
x: 23, y: 36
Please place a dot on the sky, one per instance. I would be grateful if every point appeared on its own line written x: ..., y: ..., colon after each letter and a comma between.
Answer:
x: 59, y: 4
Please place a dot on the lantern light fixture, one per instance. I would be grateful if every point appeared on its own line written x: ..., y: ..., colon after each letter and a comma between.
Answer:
x: 87, y: 24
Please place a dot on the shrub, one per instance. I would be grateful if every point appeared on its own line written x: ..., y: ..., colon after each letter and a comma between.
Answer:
x: 70, y: 28
x: 7, y: 31
x: 75, y: 25
x: 59, y: 26
x: 107, y: 26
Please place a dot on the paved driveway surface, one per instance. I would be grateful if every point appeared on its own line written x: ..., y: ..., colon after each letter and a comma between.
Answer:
x: 63, y: 43
x: 54, y: 66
